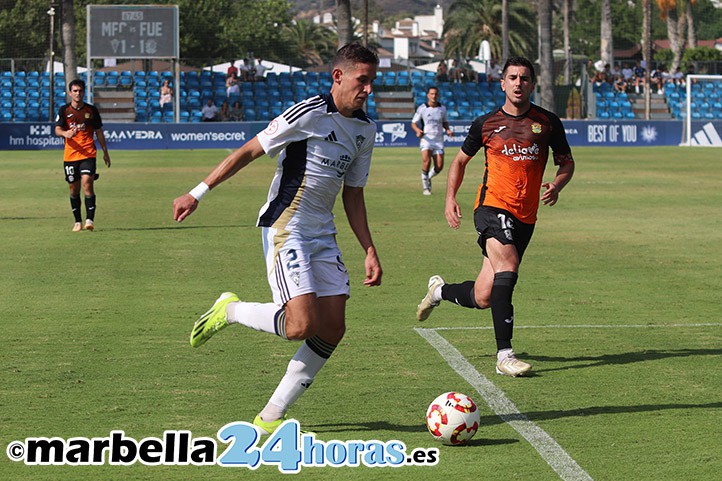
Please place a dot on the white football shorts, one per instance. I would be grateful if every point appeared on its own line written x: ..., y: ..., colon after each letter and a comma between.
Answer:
x: 298, y: 265
x: 436, y: 147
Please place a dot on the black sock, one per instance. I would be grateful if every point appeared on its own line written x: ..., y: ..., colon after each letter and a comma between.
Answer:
x: 75, y: 205
x: 461, y: 294
x: 90, y: 207
x: 502, y: 310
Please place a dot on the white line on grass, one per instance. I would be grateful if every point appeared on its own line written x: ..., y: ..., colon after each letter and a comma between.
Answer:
x: 581, y: 326
x: 546, y: 446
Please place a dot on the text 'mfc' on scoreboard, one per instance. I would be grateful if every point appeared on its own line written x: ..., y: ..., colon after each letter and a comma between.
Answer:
x: 133, y: 31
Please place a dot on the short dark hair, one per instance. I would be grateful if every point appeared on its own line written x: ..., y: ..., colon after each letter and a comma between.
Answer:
x: 432, y: 87
x: 353, y: 53
x: 519, y: 62
x: 78, y: 82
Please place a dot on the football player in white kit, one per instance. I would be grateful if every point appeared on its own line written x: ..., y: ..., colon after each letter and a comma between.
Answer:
x: 430, y: 123
x: 324, y: 145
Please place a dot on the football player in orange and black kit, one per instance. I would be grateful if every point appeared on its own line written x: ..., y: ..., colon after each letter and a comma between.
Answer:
x: 79, y: 123
x: 516, y: 139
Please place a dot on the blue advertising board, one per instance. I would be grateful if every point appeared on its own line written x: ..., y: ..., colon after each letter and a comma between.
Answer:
x: 150, y: 136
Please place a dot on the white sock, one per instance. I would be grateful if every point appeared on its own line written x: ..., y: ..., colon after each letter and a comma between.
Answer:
x: 432, y: 173
x: 504, y: 353
x: 271, y: 413
x: 299, y: 375
x: 261, y: 317
x: 436, y: 295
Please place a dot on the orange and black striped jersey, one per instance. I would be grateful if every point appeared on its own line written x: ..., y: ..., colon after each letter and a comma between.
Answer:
x: 516, y: 150
x: 86, y: 120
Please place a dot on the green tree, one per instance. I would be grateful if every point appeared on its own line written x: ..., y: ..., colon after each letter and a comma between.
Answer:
x: 24, y: 28
x: 313, y: 44
x: 471, y: 21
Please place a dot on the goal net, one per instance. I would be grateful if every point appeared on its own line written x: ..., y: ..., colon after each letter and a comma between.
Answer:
x: 703, y: 111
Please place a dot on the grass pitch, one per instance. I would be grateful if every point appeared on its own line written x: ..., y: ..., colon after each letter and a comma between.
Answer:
x: 618, y: 309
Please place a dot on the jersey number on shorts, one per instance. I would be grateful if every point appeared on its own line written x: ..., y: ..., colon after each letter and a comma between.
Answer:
x: 505, y: 223
x: 291, y: 258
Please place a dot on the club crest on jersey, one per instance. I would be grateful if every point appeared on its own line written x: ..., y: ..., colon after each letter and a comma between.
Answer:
x: 536, y: 128
x: 359, y: 141
x: 87, y: 115
x: 272, y: 128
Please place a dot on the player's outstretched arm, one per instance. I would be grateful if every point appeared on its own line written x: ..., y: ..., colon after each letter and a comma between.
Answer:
x: 184, y: 205
x: 355, y: 207
x: 454, y: 180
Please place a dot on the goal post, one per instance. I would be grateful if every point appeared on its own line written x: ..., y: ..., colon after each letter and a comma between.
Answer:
x: 703, y: 108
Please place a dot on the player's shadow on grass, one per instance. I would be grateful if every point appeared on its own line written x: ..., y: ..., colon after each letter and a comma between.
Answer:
x: 535, y: 416
x: 173, y: 227
x: 583, y: 362
x: 386, y: 426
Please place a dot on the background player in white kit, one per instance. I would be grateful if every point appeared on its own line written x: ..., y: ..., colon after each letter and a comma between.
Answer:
x: 323, y: 144
x: 430, y: 123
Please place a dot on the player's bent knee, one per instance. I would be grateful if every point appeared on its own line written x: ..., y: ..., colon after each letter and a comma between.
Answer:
x: 300, y: 330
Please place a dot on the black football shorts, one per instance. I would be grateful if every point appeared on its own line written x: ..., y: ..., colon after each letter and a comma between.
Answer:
x: 501, y: 225
x: 78, y: 168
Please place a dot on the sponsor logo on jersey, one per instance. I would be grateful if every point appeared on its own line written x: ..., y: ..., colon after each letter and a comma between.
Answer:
x: 517, y: 152
x: 331, y: 137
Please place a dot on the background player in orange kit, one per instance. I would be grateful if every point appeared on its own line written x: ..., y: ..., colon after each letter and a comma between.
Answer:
x: 516, y: 139
x: 79, y: 123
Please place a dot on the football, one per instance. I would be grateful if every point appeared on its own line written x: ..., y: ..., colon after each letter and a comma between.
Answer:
x: 452, y: 418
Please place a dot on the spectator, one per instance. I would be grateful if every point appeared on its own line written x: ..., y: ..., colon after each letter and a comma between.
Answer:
x: 232, y: 87
x: 260, y: 75
x: 236, y: 112
x: 442, y: 72
x: 232, y: 70
x: 493, y: 75
x: 639, y: 73
x: 209, y: 112
x: 166, y: 94
x: 225, y: 113
x: 247, y: 71
x: 468, y: 73
x: 455, y: 71
x: 678, y: 77
x: 607, y: 74
x: 620, y: 85
x: 628, y: 74
x: 656, y: 79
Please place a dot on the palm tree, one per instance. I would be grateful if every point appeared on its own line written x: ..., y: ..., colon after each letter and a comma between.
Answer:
x: 675, y: 29
x: 504, y: 30
x: 567, y: 13
x: 546, y: 60
x: 67, y: 33
x: 606, y: 47
x: 313, y: 43
x: 647, y: 53
x: 691, y: 30
x: 343, y: 22
x: 471, y: 21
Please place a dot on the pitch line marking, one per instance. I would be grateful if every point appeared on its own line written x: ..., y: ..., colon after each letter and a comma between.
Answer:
x: 554, y: 455
x: 582, y: 326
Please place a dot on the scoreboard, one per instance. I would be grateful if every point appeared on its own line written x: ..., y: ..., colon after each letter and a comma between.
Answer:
x: 133, y: 31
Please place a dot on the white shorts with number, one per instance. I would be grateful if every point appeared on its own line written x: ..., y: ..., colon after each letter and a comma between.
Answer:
x: 298, y: 265
x: 436, y: 148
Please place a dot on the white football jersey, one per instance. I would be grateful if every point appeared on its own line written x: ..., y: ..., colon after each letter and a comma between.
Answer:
x: 431, y: 120
x: 318, y: 151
